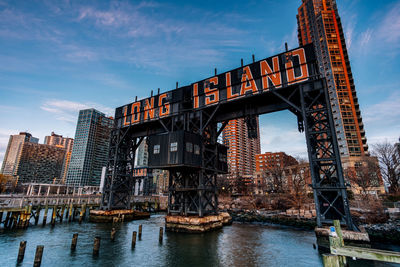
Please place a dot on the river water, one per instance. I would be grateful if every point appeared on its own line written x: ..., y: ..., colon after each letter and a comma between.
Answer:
x: 235, y: 245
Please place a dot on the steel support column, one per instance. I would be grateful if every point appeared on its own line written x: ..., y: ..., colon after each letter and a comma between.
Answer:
x: 325, y: 164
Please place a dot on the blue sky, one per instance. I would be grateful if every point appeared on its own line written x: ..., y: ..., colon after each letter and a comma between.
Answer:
x: 57, y: 57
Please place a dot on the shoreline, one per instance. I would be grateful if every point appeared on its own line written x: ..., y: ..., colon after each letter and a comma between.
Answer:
x: 387, y: 233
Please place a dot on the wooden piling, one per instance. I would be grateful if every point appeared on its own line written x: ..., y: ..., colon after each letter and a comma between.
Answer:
x: 15, y: 217
x: 133, y: 239
x: 21, y: 251
x: 113, y: 231
x: 7, y: 220
x: 74, y: 212
x: 10, y: 222
x: 331, y: 260
x: 140, y: 232
x: 37, y: 211
x: 46, y: 210
x: 22, y: 218
x: 70, y: 212
x: 96, y: 246
x: 28, y: 216
x: 38, y: 256
x: 74, y: 242
x: 82, y: 213
x: 62, y: 213
x: 66, y: 213
x: 160, y: 237
x: 54, y: 215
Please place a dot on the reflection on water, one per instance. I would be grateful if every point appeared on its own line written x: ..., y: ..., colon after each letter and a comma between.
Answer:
x: 236, y: 245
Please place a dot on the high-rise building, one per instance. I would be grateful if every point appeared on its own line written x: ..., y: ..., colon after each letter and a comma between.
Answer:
x: 142, y: 155
x: 30, y: 162
x: 319, y: 23
x: 90, y: 149
x: 40, y: 163
x: 241, y: 149
x: 65, y: 142
x: 13, y: 152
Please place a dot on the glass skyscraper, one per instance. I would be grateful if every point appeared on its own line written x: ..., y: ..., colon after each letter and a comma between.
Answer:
x: 90, y: 149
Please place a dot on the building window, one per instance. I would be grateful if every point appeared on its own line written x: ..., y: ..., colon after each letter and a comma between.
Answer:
x: 196, y: 149
x: 174, y: 147
x: 189, y: 147
x: 156, y: 149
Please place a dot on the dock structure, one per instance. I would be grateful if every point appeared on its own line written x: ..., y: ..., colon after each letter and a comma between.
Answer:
x: 20, y: 211
x: 339, y: 251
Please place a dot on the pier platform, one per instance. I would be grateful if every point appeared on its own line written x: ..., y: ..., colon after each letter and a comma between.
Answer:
x: 195, y: 224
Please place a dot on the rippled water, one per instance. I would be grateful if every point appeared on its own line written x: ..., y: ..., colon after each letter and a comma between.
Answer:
x: 235, y: 245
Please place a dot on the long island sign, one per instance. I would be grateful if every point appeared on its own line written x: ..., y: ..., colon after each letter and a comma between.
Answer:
x: 275, y: 72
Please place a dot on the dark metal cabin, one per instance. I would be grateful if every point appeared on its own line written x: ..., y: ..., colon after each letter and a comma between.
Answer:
x: 175, y: 149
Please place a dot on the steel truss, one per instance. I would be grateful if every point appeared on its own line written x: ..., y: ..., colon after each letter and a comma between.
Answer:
x: 310, y: 103
x: 192, y: 191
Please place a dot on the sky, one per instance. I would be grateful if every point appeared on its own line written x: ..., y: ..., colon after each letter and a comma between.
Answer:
x: 58, y: 57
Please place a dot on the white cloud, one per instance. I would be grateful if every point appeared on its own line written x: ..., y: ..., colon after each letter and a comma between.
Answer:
x: 389, y: 30
x: 387, y: 111
x: 276, y: 139
x: 365, y: 37
x: 382, y: 120
x: 65, y: 110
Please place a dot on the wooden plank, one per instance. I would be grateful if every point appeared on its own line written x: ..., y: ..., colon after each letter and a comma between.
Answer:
x: 367, y: 253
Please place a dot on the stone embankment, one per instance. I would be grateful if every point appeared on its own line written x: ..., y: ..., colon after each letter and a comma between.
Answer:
x: 274, y: 217
x: 388, y: 232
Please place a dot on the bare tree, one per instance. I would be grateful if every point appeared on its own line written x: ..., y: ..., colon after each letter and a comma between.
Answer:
x: 277, y: 176
x: 388, y: 156
x: 7, y: 183
x: 364, y: 175
x: 299, y: 175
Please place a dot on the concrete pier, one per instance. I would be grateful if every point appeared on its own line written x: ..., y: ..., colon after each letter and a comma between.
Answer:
x: 108, y: 215
x: 194, y: 224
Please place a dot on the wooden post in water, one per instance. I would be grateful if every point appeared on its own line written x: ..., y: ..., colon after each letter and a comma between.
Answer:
x: 11, y: 222
x: 331, y: 260
x: 28, y: 216
x: 82, y: 213
x: 7, y: 220
x: 54, y: 215
x: 37, y: 212
x: 21, y: 251
x: 140, y: 232
x: 21, y: 221
x: 66, y: 211
x: 15, y: 216
x: 70, y: 212
x: 96, y: 246
x: 160, y: 237
x: 133, y: 239
x: 38, y: 256
x: 74, y: 242
x: 62, y: 213
x: 46, y: 210
x: 113, y: 231
x: 337, y: 241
